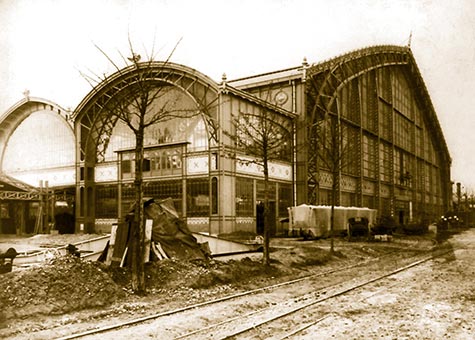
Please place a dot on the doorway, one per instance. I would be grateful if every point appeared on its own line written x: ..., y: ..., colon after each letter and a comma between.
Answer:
x: 271, y: 218
x: 401, y: 217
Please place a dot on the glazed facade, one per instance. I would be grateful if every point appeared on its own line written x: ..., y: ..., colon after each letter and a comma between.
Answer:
x: 393, y: 154
x: 394, y: 160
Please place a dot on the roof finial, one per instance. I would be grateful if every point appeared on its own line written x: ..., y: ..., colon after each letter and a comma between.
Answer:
x: 410, y: 39
x: 304, y: 69
x: 26, y: 93
x: 223, y: 82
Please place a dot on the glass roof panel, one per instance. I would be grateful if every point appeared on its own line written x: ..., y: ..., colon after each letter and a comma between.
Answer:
x: 41, y: 141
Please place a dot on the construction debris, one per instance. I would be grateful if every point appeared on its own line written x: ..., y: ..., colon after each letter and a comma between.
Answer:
x: 167, y: 236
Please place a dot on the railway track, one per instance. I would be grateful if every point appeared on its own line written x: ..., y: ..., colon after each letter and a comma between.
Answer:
x: 258, y: 316
x: 258, y: 324
x: 255, y: 330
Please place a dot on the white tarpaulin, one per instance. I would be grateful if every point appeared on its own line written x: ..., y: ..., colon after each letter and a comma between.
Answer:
x: 316, y: 218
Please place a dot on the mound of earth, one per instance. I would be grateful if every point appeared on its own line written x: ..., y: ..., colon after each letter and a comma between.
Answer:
x: 59, y: 286
x: 68, y: 283
x: 71, y: 290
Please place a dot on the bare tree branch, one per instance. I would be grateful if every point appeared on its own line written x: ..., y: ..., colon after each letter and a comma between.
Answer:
x: 108, y: 58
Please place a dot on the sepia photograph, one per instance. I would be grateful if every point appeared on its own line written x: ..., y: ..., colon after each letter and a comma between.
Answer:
x: 273, y: 169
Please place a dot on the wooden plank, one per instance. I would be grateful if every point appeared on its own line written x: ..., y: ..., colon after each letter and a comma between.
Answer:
x: 122, y: 261
x: 156, y: 252
x: 121, y: 239
x: 39, y: 219
x: 148, y: 239
x: 161, y: 251
x: 110, y: 250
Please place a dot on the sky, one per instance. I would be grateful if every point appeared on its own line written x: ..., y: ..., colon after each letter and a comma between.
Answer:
x: 45, y: 46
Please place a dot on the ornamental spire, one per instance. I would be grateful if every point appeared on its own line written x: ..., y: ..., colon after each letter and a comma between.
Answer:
x: 223, y: 82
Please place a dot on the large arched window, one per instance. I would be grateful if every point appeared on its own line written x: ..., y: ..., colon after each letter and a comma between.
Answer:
x: 41, y: 141
x: 190, y: 127
x: 191, y: 130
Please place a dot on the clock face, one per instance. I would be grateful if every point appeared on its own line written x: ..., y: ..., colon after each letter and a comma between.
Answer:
x: 281, y: 98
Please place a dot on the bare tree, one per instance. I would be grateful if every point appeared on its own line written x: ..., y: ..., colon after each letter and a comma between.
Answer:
x: 265, y: 136
x: 148, y: 99
x: 336, y: 152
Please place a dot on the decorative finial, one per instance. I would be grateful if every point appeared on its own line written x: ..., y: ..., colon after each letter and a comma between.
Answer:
x: 410, y: 39
x: 304, y: 69
x: 26, y: 93
x: 224, y: 78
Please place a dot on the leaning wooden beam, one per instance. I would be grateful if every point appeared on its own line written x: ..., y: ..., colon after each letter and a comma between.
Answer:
x: 148, y: 239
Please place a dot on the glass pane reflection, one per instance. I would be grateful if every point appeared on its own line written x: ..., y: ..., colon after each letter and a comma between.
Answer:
x: 41, y: 141
x: 192, y: 130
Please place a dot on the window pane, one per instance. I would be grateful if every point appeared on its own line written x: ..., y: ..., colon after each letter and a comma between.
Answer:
x: 214, y: 195
x: 285, y: 199
x: 197, y: 203
x: 106, y: 201
x: 157, y: 190
x: 244, y: 197
x: 260, y: 191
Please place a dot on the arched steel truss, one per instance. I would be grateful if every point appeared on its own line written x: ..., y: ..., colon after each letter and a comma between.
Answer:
x: 94, y: 122
x: 327, y: 78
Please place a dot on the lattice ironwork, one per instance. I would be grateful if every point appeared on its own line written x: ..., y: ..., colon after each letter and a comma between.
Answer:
x: 97, y: 121
x: 326, y: 79
x: 19, y: 195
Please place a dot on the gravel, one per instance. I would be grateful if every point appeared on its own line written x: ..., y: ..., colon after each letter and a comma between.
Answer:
x: 69, y: 292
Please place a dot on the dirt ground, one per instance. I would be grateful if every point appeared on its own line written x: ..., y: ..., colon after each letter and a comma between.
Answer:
x: 67, y: 292
x: 427, y: 302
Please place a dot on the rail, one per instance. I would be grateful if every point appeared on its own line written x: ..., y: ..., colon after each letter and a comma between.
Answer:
x: 238, y: 319
x: 89, y: 249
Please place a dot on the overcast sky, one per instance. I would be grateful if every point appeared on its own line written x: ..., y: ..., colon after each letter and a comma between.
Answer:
x: 44, y: 44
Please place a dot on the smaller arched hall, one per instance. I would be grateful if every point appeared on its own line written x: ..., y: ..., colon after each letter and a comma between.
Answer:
x: 398, y: 162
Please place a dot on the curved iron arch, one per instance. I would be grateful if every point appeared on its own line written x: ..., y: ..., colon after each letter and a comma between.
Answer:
x: 94, y: 122
x: 327, y: 78
x: 20, y: 111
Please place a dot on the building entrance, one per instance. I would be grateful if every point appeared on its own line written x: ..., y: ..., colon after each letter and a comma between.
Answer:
x: 260, y: 218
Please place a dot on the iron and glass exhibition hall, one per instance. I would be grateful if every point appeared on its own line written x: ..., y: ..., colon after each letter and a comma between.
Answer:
x: 370, y: 107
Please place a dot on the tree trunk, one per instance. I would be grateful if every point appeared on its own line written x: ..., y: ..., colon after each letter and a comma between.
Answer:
x: 266, y: 257
x: 332, y: 217
x: 138, y: 226
x: 335, y: 166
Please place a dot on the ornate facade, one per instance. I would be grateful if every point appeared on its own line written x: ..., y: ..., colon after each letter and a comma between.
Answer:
x: 392, y: 154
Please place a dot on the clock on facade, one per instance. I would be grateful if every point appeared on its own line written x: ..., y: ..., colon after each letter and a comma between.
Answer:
x: 280, y: 97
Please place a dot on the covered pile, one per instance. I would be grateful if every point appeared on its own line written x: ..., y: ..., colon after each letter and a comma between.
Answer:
x: 172, y: 233
x: 167, y: 236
